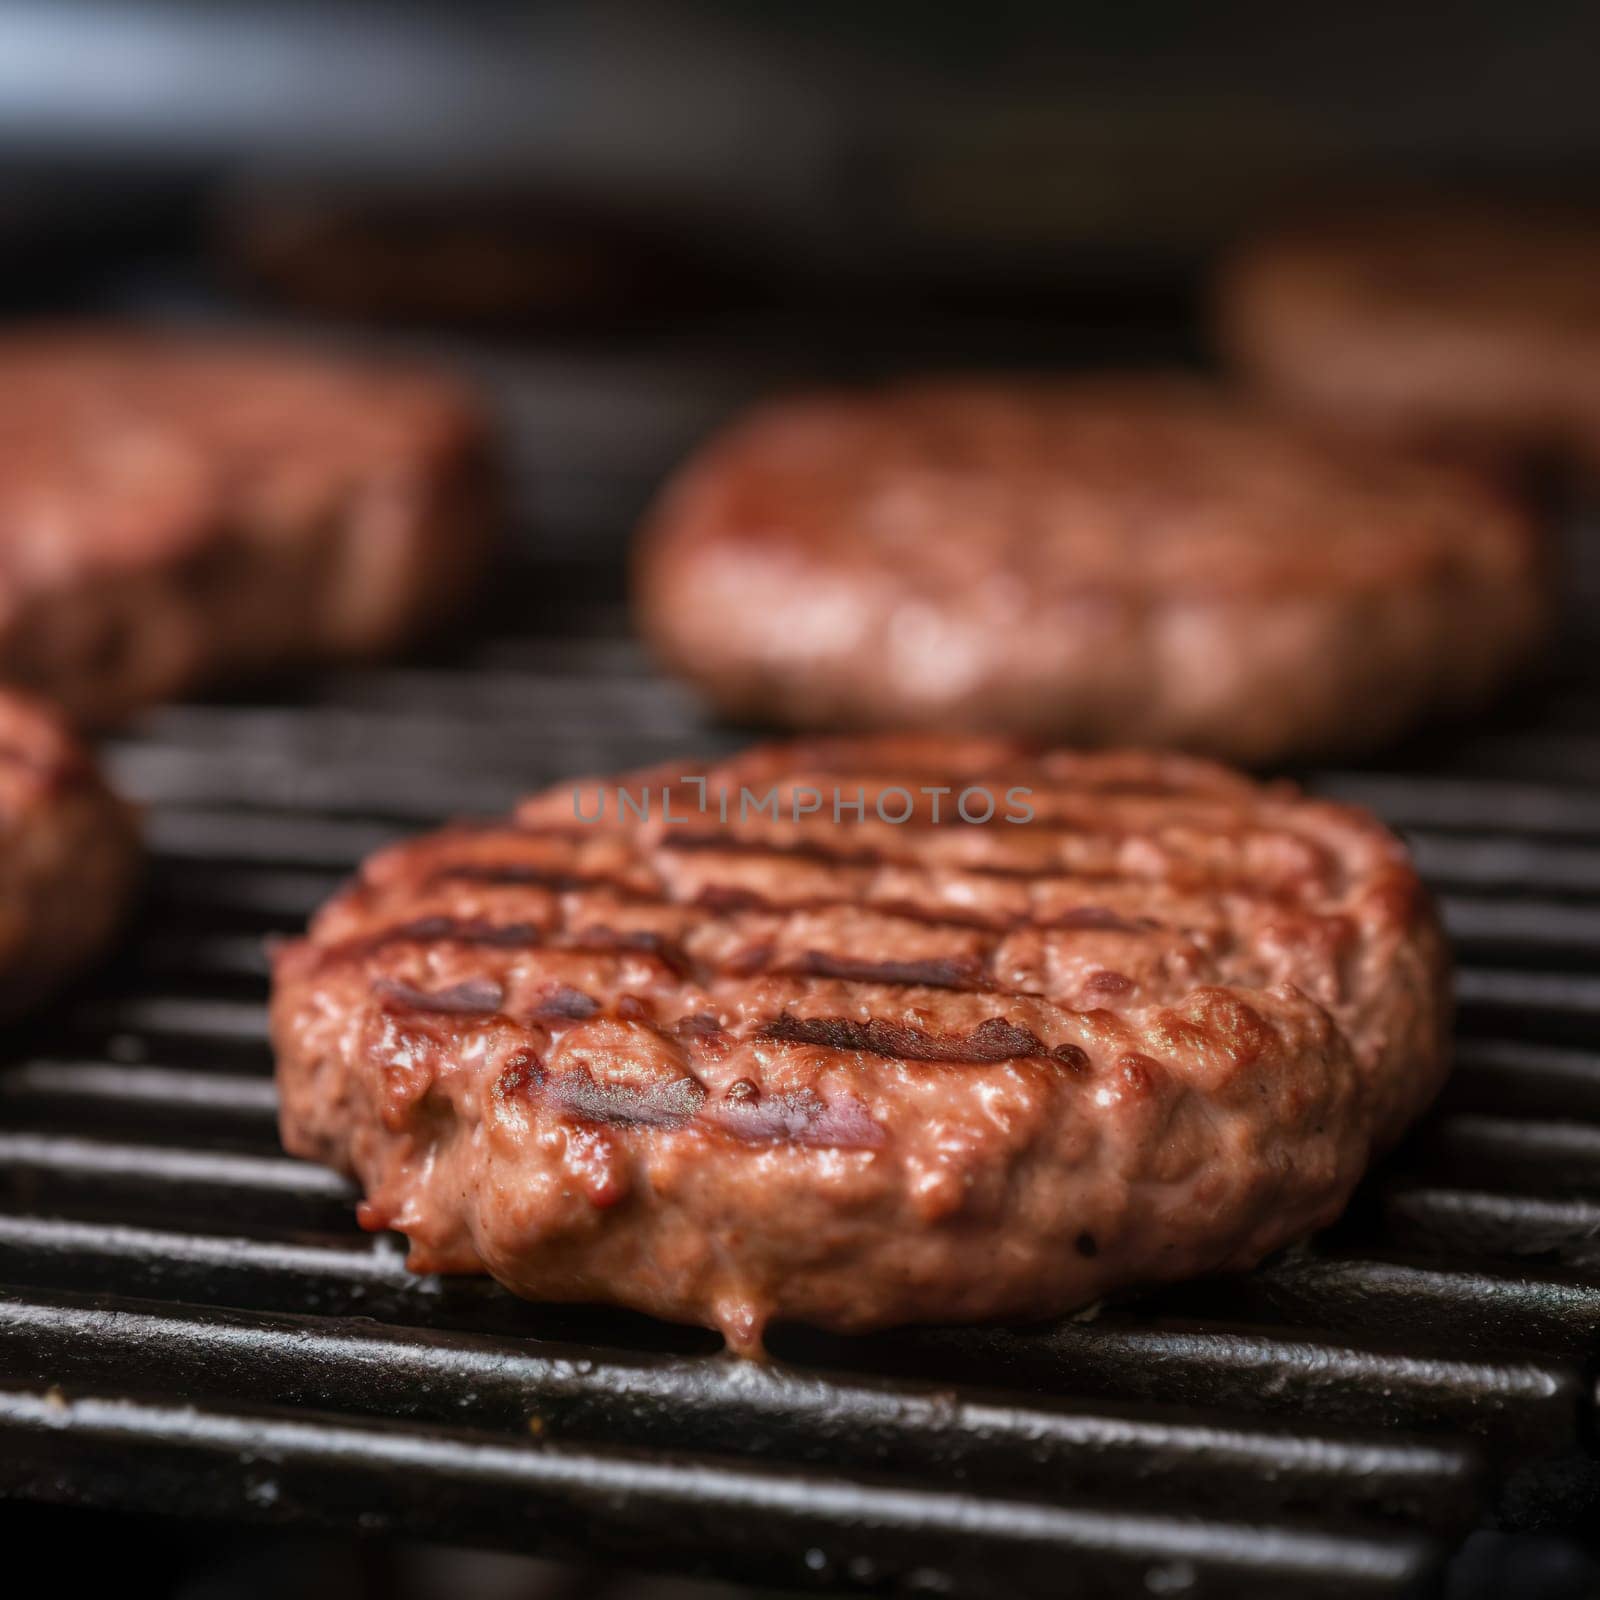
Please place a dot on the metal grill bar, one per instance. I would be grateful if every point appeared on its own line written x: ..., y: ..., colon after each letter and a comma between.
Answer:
x: 1042, y: 1447
x: 754, y: 1516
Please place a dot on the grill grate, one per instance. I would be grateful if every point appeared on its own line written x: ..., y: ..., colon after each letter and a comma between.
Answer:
x: 191, y: 1322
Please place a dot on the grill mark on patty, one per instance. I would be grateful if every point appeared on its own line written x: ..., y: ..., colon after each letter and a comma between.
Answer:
x: 779, y: 851
x: 939, y: 972
x: 665, y: 1103
x: 801, y: 1117
x: 992, y: 1040
x: 640, y: 941
x: 966, y: 972
x: 592, y: 939
x: 477, y: 997
x: 698, y: 1025
x: 1100, y: 919
x: 736, y: 898
x: 563, y: 1003
x: 518, y: 874
x: 760, y: 952
x: 594, y: 942
x: 731, y: 897
x: 473, y: 930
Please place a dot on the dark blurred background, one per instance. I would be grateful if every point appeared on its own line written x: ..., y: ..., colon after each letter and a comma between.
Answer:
x: 983, y: 151
x: 636, y: 216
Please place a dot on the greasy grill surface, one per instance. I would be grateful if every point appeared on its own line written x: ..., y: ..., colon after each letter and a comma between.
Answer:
x: 191, y: 1322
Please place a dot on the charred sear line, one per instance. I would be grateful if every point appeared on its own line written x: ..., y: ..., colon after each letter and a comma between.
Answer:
x: 725, y: 899
x: 783, y: 850
x: 799, y: 1117
x: 949, y: 972
x: 433, y: 930
x: 475, y: 997
x: 1100, y: 919
x: 639, y: 941
x: 733, y: 899
x: 817, y: 854
x: 667, y: 1104
x: 597, y: 941
x: 802, y: 1117
x: 562, y: 1003
x: 1005, y: 872
x: 698, y: 1025
x: 992, y: 1040
x: 926, y: 917
x: 524, y: 875
x: 507, y: 935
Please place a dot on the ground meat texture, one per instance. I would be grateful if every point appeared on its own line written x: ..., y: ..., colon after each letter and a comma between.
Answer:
x: 68, y: 853
x: 857, y: 1073
x: 176, y: 510
x: 1106, y: 561
x: 1463, y: 329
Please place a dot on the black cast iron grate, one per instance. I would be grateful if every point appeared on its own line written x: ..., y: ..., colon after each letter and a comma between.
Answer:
x: 191, y: 1322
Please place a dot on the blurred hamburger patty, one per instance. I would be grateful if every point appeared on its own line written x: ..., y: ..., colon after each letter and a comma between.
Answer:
x: 68, y: 852
x: 733, y: 1063
x: 174, y: 511
x: 1111, y: 560
x: 1465, y: 329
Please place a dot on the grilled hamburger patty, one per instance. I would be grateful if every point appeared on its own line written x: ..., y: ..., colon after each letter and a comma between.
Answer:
x: 1110, y: 560
x: 1460, y: 328
x: 863, y: 1072
x: 68, y: 851
x: 175, y: 510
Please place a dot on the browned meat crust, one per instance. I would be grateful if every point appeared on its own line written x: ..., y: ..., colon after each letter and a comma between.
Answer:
x: 68, y: 854
x: 1109, y: 561
x: 1466, y: 330
x: 173, y: 511
x: 858, y: 1073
